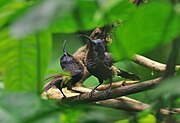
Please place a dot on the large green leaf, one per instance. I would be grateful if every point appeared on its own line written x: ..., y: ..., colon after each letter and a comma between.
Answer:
x: 40, y: 16
x: 24, y: 61
x: 3, y: 2
x: 11, y: 10
x: 146, y: 28
x: 70, y: 16
x: 168, y: 90
x: 27, y: 108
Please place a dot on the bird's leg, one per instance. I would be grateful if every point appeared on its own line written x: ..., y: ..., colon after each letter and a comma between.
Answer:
x: 58, y: 85
x: 109, y: 88
x: 64, y: 96
x: 76, y: 91
x: 80, y: 93
x: 93, y: 90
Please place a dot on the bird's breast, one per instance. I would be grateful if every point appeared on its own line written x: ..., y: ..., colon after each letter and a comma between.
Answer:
x: 100, y: 70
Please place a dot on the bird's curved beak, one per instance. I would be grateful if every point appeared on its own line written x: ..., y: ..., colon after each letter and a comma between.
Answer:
x: 85, y: 36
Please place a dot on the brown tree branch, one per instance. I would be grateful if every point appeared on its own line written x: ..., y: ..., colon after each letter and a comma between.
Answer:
x: 116, y: 85
x: 124, y: 103
x: 169, y: 111
x: 120, y: 103
x: 114, y: 93
x: 54, y: 93
x: 153, y: 65
x: 128, y: 104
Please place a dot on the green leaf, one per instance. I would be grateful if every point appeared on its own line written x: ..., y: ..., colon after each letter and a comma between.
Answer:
x: 145, y: 119
x: 144, y: 30
x: 67, y: 16
x: 27, y: 108
x: 168, y: 90
x: 3, y: 2
x: 25, y: 61
x: 123, y: 121
x: 69, y: 116
x: 40, y: 16
x: 11, y: 11
x: 11, y: 102
x: 91, y: 14
x: 5, y: 117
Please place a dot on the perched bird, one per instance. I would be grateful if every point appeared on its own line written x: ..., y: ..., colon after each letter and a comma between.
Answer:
x: 70, y: 65
x: 100, y: 65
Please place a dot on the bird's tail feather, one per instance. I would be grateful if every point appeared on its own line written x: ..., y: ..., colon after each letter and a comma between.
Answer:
x: 128, y: 75
x: 54, y: 76
x: 53, y: 82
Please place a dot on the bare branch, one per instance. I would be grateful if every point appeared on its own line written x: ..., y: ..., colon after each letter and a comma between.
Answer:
x: 153, y: 65
x: 116, y: 85
x: 120, y: 103
x: 114, y: 93
x: 54, y: 93
x: 128, y: 104
x: 124, y: 103
x: 169, y: 111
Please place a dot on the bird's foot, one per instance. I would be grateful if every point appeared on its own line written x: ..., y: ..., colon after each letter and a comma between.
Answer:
x: 79, y: 96
x: 91, y: 93
x: 64, y: 97
x: 108, y: 90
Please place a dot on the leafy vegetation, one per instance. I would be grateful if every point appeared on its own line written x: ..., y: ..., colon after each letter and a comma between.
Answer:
x: 31, y: 37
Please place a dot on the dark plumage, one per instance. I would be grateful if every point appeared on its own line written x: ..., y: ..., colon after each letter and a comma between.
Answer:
x: 100, y: 65
x: 73, y: 67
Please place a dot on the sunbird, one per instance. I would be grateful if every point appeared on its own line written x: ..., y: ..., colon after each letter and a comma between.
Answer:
x: 73, y: 67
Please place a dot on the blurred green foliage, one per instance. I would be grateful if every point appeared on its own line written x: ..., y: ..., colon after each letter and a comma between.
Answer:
x: 31, y: 37
x: 146, y: 119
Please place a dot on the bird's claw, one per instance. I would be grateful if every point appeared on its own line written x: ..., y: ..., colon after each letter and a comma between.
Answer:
x: 108, y: 90
x: 64, y: 97
x: 79, y: 96
x: 91, y: 93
